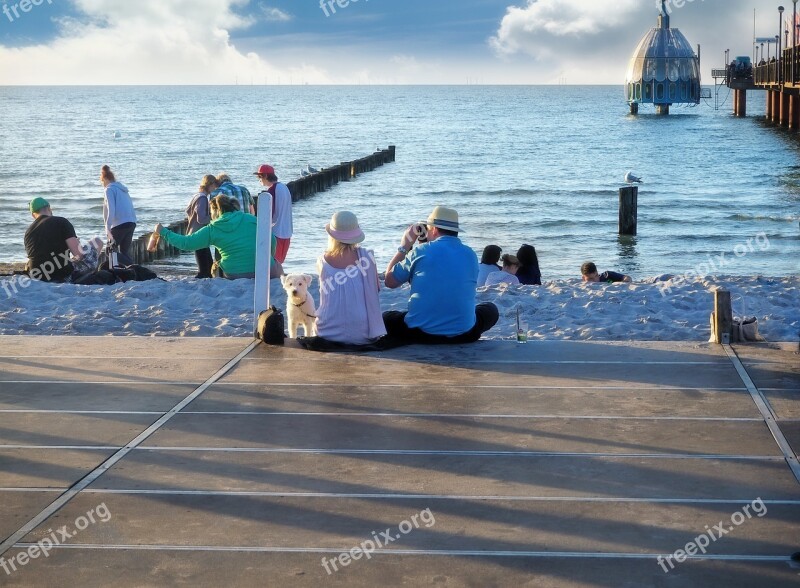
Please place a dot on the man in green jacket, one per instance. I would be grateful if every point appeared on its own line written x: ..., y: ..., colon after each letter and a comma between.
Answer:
x: 232, y: 232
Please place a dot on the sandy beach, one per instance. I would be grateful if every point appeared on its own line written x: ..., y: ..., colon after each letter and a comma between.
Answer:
x: 653, y: 310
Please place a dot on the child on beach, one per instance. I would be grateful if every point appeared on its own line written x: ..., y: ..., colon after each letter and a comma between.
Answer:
x: 488, y: 264
x: 590, y: 274
x: 507, y: 275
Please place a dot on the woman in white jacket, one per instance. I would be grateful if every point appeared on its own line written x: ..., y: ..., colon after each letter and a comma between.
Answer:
x: 118, y: 214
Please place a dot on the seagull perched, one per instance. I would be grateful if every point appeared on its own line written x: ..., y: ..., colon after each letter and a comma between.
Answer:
x: 311, y: 170
x: 632, y: 179
x: 304, y: 173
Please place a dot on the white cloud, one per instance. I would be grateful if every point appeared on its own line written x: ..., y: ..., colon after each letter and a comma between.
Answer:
x: 273, y: 14
x: 532, y: 28
x: 146, y: 41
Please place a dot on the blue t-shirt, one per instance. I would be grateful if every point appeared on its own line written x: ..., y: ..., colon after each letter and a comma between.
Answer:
x: 443, y: 276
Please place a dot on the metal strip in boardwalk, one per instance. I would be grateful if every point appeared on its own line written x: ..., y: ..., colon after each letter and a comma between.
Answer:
x: 766, y: 411
x: 396, y: 552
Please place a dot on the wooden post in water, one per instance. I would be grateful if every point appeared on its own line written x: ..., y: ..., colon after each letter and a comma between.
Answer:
x: 628, y: 209
x: 769, y: 105
x: 722, y: 319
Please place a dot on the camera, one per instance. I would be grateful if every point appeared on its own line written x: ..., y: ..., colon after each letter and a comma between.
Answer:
x: 421, y: 231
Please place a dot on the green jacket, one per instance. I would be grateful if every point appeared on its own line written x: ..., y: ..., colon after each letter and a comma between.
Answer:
x: 233, y: 234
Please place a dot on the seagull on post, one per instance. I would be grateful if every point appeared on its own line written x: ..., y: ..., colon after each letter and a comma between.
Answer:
x: 632, y: 179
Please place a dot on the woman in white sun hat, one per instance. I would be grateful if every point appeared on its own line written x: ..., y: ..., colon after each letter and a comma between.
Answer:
x: 349, y: 309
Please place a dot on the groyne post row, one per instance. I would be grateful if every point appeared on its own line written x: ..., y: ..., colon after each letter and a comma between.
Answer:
x: 300, y: 188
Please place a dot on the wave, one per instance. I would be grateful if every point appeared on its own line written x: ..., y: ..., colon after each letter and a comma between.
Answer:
x: 520, y: 192
x: 763, y: 217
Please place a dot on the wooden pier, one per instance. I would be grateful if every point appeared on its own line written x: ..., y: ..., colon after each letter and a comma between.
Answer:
x: 779, y: 77
x: 300, y: 188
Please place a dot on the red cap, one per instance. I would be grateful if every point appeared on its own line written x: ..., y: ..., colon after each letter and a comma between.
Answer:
x: 265, y: 170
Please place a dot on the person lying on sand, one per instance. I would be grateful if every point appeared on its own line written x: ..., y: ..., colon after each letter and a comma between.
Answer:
x: 589, y: 273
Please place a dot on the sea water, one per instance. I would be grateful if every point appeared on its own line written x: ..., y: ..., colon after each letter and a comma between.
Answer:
x: 539, y: 165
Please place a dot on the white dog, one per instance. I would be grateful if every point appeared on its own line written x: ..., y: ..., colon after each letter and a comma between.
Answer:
x: 299, y: 305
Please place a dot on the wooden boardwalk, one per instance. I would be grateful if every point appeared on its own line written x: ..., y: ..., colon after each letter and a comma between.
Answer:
x: 213, y: 462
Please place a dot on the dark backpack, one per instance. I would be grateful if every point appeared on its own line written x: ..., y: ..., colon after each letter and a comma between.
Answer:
x: 271, y: 327
x: 134, y: 273
x: 123, y: 274
x: 142, y: 273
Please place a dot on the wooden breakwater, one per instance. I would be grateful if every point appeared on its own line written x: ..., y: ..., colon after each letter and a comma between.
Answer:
x: 300, y: 188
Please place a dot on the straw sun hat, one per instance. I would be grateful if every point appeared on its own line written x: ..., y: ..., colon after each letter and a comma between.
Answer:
x: 344, y: 228
x: 444, y: 218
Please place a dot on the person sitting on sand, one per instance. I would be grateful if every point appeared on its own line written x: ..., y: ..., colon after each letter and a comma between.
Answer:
x: 226, y: 187
x: 528, y: 273
x: 199, y: 215
x: 232, y: 232
x: 589, y: 273
x: 507, y: 275
x: 443, y: 274
x: 52, y: 245
x: 488, y: 264
x: 349, y: 309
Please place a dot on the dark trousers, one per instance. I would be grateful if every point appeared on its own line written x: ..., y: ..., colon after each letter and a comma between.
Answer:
x: 204, y: 262
x: 123, y: 237
x: 486, y: 316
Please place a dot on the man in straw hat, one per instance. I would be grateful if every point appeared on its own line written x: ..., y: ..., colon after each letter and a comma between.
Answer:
x: 443, y: 274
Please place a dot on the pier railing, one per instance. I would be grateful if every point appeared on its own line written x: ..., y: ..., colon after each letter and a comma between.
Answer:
x: 300, y: 188
x: 786, y: 70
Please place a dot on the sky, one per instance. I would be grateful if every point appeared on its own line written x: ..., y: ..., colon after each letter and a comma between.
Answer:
x: 121, y: 42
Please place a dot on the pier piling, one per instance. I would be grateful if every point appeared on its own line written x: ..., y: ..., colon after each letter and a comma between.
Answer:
x: 769, y: 105
x: 784, y: 116
x: 740, y: 102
